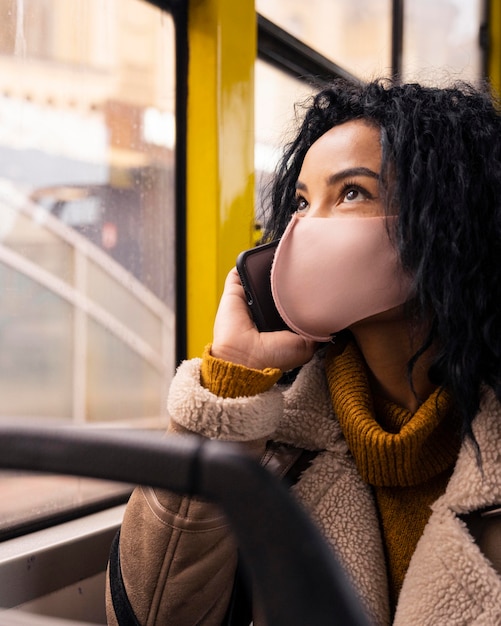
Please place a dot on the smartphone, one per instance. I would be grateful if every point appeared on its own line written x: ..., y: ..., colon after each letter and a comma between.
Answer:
x: 254, y: 268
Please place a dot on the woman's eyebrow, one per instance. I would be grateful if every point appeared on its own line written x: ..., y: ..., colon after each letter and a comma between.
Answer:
x: 347, y: 173
x: 350, y: 172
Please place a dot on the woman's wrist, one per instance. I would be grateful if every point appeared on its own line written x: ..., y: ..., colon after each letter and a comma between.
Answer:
x: 231, y: 355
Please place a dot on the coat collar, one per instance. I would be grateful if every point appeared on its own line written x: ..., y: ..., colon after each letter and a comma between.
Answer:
x: 308, y: 420
x: 475, y: 485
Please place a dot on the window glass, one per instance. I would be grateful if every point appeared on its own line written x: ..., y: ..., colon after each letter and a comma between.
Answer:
x: 441, y: 40
x: 87, y: 267
x: 354, y: 34
x: 277, y: 97
x: 86, y: 193
x: 36, y: 349
x: 122, y: 381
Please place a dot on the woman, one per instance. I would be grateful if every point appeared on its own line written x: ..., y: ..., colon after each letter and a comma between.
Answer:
x: 401, y: 406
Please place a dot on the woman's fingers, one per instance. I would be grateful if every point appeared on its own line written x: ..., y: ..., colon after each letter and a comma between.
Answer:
x: 237, y: 339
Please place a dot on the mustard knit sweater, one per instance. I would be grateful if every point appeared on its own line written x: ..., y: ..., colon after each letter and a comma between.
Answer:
x: 406, y: 458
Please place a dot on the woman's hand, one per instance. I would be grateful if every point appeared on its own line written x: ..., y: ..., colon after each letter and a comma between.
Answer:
x: 236, y: 338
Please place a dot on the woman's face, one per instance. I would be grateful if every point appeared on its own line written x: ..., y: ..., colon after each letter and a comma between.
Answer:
x: 336, y: 266
x: 341, y: 172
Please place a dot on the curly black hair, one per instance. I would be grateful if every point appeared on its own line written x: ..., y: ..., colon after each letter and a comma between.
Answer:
x: 441, y: 169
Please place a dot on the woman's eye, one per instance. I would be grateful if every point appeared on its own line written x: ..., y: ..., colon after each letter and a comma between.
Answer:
x: 301, y: 204
x: 354, y: 194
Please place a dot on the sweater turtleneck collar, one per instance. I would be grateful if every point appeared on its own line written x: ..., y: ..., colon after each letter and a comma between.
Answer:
x: 391, y: 446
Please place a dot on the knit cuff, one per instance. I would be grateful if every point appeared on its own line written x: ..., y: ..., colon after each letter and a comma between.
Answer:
x: 230, y: 380
x: 230, y: 419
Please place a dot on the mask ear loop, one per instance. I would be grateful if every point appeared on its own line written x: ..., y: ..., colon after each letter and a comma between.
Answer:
x: 338, y: 341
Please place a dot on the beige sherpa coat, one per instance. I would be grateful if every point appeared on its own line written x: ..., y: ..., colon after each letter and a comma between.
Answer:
x: 178, y: 555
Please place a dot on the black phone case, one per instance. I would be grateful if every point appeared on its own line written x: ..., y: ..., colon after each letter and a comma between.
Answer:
x: 254, y: 268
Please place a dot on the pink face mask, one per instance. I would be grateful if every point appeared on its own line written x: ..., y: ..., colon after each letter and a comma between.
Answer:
x: 329, y: 273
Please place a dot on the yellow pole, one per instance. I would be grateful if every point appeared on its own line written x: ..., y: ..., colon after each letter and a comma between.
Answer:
x: 222, y: 39
x: 494, y: 61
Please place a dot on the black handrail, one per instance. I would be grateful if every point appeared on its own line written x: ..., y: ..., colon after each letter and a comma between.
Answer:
x: 296, y: 574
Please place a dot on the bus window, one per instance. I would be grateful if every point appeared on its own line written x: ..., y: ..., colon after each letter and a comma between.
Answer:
x: 275, y: 93
x: 87, y: 243
x: 355, y: 34
x: 87, y: 216
x: 432, y: 52
x: 440, y: 38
